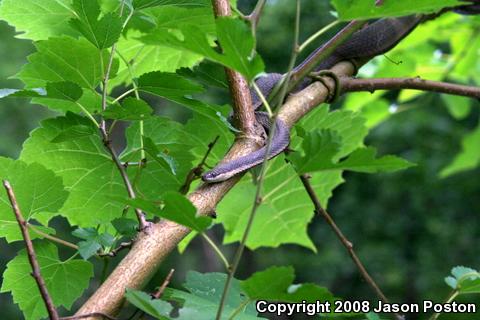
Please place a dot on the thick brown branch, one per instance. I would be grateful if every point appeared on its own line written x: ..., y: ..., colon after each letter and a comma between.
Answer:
x: 353, y: 84
x: 346, y: 243
x: 32, y: 258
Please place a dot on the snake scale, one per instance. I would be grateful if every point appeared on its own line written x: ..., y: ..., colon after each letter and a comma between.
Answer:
x: 375, y: 39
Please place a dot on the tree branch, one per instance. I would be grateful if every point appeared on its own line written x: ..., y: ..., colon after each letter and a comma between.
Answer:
x: 348, y: 84
x: 242, y: 101
x: 93, y: 315
x: 32, y: 258
x: 346, y: 243
x: 254, y: 17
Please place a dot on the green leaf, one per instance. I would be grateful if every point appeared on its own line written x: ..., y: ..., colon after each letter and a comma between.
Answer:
x: 465, y: 280
x: 125, y: 226
x: 144, y: 58
x: 366, y: 9
x: 459, y: 107
x: 37, y: 19
x: 234, y: 37
x: 94, y: 241
x: 87, y: 170
x: 131, y: 109
x: 65, y: 280
x: 171, y: 140
x: 363, y: 160
x: 320, y: 147
x: 176, y: 207
x: 203, y: 298
x: 64, y: 91
x: 66, y: 59
x: 74, y: 133
x: 160, y: 157
x: 276, y: 284
x: 102, y: 33
x: 286, y: 209
x: 37, y: 191
x: 167, y: 85
x: 468, y: 158
x: 154, y: 307
x: 141, y: 4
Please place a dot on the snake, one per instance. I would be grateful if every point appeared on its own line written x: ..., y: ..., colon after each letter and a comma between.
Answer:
x: 375, y: 39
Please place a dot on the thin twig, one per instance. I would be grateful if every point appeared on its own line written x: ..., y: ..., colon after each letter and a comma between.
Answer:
x: 114, y: 252
x: 89, y: 315
x: 158, y: 294
x: 198, y: 170
x: 142, y: 221
x: 32, y: 258
x: 258, y: 198
x: 348, y: 84
x: 347, y: 244
x: 51, y: 238
x: 254, y: 17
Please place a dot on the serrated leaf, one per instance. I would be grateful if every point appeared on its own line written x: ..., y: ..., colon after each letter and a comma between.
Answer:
x: 102, y: 33
x: 176, y: 207
x: 130, y: 109
x: 37, y: 190
x: 320, y: 147
x: 87, y: 170
x: 93, y: 241
x: 37, y: 19
x: 366, y: 9
x: 66, y: 59
x: 276, y: 284
x: 363, y: 160
x: 65, y: 280
x: 154, y: 307
x: 235, y: 39
x: 286, y: 209
x: 203, y: 298
x: 468, y: 158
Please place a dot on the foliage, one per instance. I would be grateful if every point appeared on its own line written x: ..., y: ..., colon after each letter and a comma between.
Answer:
x: 97, y: 60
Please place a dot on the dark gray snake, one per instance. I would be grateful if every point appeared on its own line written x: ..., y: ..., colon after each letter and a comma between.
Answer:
x: 375, y: 39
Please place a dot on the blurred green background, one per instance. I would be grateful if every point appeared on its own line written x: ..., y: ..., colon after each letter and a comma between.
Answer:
x: 409, y: 228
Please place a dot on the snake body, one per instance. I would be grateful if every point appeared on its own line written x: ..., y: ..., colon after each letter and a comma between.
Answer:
x: 375, y: 39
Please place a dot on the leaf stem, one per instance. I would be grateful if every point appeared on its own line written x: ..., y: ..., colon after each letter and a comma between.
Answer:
x: 317, y: 34
x: 217, y: 250
x: 450, y: 298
